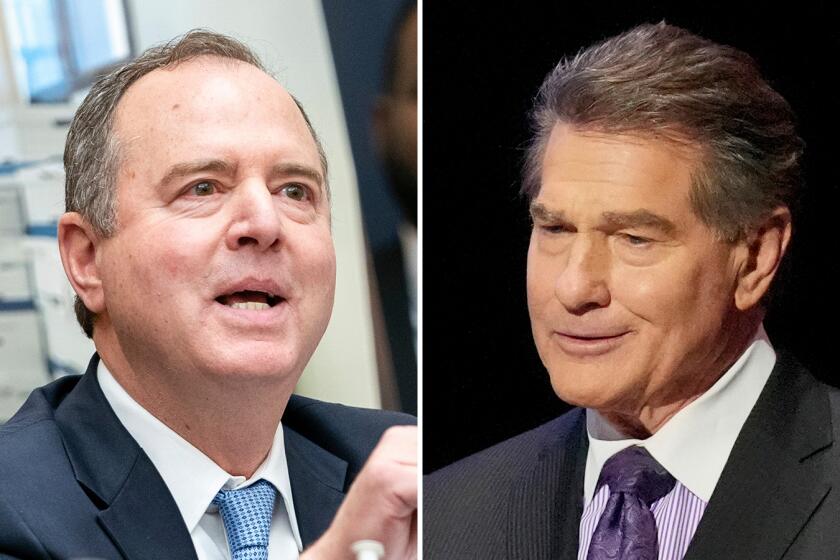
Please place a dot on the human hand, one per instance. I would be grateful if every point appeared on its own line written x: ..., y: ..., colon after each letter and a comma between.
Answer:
x: 381, y: 504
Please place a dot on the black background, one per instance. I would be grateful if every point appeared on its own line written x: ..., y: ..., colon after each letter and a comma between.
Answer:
x: 482, y: 378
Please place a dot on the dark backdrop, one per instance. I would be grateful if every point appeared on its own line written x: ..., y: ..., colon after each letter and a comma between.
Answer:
x: 483, y: 381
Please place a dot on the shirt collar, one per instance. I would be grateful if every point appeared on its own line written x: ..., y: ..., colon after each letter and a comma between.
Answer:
x: 192, y: 477
x: 695, y: 443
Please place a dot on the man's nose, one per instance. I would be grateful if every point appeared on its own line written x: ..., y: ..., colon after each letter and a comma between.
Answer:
x: 582, y: 284
x: 256, y: 219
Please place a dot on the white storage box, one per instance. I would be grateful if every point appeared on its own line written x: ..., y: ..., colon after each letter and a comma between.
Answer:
x: 68, y: 348
x: 14, y: 271
x: 23, y: 363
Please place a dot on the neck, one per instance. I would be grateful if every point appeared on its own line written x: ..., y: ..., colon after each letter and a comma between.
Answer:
x: 643, y: 421
x: 233, y: 425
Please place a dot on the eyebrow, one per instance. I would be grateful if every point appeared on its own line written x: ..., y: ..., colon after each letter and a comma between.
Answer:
x: 614, y: 220
x: 539, y: 213
x: 639, y: 218
x: 286, y: 169
x: 185, y: 169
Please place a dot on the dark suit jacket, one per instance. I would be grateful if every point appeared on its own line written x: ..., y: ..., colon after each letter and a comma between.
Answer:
x: 74, y: 483
x: 778, y: 496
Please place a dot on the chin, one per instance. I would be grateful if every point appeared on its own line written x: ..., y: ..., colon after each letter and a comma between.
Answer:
x: 271, y: 363
x: 583, y: 387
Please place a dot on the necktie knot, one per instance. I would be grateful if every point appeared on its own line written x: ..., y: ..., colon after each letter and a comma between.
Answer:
x: 627, y: 528
x: 635, y: 471
x: 246, y: 514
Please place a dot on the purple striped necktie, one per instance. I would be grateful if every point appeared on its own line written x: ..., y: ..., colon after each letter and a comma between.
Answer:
x: 626, y: 529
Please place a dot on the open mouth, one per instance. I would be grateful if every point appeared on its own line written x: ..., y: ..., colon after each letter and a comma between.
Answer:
x: 249, y: 299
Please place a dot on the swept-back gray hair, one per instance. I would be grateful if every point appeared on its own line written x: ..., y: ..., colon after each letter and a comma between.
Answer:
x: 92, y: 151
x: 657, y: 80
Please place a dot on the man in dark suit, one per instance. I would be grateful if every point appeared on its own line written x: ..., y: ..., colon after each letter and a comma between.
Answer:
x: 660, y: 178
x: 197, y: 238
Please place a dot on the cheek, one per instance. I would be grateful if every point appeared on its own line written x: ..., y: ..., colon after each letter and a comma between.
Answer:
x: 649, y: 294
x: 326, y: 275
x: 539, y: 282
x: 685, y: 297
x: 315, y: 262
x: 169, y: 260
x: 315, y: 271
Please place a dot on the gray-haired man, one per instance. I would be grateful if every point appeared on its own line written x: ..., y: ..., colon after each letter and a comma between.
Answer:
x: 659, y: 179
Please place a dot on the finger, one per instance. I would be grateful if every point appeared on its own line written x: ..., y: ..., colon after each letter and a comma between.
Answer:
x: 399, y: 442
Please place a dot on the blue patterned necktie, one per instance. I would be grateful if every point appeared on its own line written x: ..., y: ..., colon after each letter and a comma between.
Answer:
x: 247, y: 516
x: 626, y: 529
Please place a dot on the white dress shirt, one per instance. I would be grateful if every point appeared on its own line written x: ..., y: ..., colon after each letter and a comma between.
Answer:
x: 194, y: 479
x: 693, y: 446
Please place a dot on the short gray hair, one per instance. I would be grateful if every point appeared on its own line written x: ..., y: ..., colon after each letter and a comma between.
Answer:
x: 92, y: 152
x: 657, y: 80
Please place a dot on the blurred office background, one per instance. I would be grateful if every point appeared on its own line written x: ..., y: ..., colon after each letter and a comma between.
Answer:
x: 51, y: 50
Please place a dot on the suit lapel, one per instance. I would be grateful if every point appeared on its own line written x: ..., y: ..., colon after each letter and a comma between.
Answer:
x: 127, y: 489
x: 318, y: 480
x: 136, y: 509
x: 145, y: 502
x: 546, y: 503
x: 775, y: 476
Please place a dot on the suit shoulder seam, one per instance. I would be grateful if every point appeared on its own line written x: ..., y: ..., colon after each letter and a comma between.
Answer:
x: 9, y: 429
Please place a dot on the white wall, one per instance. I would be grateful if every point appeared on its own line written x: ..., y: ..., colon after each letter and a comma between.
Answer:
x: 8, y: 94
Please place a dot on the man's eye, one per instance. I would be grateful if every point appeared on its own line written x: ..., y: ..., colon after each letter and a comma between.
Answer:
x: 203, y: 188
x: 635, y: 240
x: 554, y: 229
x: 296, y: 192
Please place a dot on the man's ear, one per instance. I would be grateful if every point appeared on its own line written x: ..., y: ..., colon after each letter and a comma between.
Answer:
x: 764, y: 248
x: 77, y: 243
